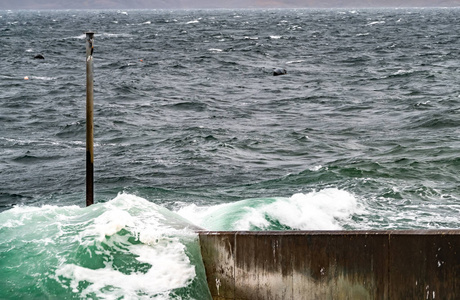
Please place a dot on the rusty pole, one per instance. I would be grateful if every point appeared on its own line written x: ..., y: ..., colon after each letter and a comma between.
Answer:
x: 89, y: 120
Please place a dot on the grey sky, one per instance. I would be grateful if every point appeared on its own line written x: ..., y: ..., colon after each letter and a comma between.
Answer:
x: 138, y: 4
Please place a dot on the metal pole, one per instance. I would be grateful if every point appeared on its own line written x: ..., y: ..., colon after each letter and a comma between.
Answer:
x: 89, y: 120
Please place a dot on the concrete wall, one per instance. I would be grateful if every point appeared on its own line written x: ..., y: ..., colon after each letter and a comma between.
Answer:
x: 332, y: 264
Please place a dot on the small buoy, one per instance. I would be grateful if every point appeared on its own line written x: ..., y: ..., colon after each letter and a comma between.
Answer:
x: 141, y: 60
x: 26, y: 78
x: 277, y: 72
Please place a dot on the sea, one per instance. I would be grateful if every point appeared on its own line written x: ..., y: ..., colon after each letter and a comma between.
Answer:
x: 193, y: 131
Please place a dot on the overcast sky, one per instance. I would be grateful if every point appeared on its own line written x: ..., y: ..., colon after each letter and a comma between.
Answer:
x: 152, y: 4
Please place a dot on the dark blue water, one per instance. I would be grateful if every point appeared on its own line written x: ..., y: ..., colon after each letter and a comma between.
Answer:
x: 191, y: 127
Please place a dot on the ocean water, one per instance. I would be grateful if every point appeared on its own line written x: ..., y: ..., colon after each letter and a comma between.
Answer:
x: 192, y: 130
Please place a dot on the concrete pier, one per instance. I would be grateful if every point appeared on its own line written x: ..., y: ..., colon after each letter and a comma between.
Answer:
x: 332, y: 264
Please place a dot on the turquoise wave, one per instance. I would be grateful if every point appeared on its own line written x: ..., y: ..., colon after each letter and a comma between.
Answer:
x: 328, y: 209
x: 127, y: 248
x: 130, y: 248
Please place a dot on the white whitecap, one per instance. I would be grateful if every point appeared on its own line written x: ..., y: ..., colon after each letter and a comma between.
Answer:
x: 313, y: 211
x: 79, y: 37
x: 322, y: 210
x: 161, y: 234
x: 295, y: 61
x: 375, y: 23
x: 403, y: 72
x: 316, y: 168
x: 42, y: 78
x: 171, y: 269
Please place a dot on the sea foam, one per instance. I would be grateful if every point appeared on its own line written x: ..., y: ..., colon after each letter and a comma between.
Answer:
x: 127, y: 247
x: 320, y: 210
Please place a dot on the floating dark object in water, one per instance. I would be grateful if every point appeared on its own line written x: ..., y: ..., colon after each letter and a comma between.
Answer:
x: 277, y: 72
x: 39, y: 56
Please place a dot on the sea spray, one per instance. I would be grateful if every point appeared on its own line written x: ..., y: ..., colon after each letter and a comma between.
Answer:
x: 120, y: 249
x: 327, y: 209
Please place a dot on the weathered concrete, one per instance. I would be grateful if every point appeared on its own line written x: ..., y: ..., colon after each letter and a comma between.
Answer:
x: 332, y: 264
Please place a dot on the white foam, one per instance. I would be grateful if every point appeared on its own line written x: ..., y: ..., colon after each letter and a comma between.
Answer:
x: 275, y: 37
x: 103, y: 34
x: 215, y: 50
x: 321, y: 210
x: 112, y: 222
x: 316, y: 168
x: 170, y: 269
x: 253, y: 217
x: 147, y: 220
x: 313, y: 211
x: 42, y: 78
x: 402, y: 72
x: 79, y: 37
x: 161, y: 246
x: 375, y: 23
x: 11, y: 223
x: 198, y: 214
x: 114, y: 35
x: 193, y: 22
x: 294, y: 62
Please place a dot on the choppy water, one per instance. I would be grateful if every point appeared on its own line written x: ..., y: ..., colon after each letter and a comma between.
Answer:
x: 192, y: 129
